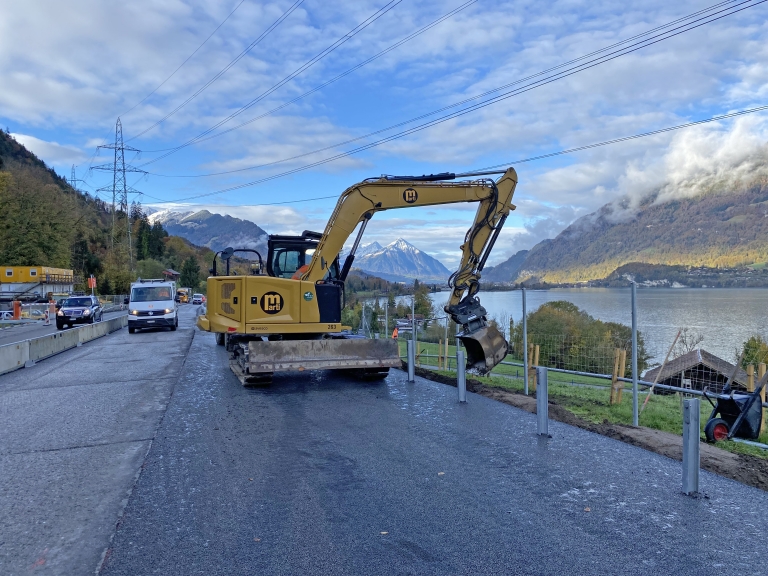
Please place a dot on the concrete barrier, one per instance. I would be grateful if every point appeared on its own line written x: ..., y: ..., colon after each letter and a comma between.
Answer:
x: 19, y: 354
x: 13, y: 356
x: 46, y: 346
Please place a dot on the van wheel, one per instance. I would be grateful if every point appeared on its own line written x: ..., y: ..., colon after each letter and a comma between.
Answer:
x: 131, y: 330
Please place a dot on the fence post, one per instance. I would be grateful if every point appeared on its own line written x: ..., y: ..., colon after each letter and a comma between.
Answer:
x: 614, y: 377
x: 461, y: 375
x: 445, y: 357
x: 751, y: 378
x: 411, y: 361
x: 635, y: 418
x: 691, y: 432
x: 525, y: 345
x: 760, y: 374
x: 622, y: 370
x: 542, y: 402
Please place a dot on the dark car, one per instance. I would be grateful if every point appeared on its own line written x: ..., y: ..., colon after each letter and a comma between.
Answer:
x: 79, y: 310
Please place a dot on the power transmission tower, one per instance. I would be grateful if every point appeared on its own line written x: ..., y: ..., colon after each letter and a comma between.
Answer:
x: 73, y: 180
x: 120, y: 188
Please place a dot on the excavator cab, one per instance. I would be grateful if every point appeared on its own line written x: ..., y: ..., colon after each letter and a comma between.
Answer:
x: 290, y: 254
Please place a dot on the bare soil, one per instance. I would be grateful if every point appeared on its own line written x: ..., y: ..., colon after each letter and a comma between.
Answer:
x: 740, y: 467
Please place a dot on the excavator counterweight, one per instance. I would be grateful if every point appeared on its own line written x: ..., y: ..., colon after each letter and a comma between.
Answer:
x: 288, y: 316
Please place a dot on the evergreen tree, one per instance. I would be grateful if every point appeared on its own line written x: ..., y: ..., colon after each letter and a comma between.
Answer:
x: 190, y: 273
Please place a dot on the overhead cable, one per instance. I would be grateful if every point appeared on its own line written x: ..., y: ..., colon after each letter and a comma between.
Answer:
x: 339, y: 76
x: 539, y: 82
x: 223, y: 71
x: 301, y: 69
x: 185, y: 61
x: 511, y: 162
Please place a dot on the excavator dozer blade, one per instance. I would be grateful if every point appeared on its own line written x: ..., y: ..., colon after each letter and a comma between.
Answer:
x: 330, y: 354
x: 486, y: 347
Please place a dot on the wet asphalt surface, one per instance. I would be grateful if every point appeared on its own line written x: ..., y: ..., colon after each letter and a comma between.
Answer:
x: 323, y: 474
x: 74, y: 432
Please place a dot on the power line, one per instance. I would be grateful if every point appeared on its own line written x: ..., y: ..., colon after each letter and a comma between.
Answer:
x: 301, y: 69
x: 514, y: 162
x: 219, y: 74
x: 90, y: 162
x: 559, y: 75
x: 339, y: 76
x: 567, y: 151
x: 185, y: 61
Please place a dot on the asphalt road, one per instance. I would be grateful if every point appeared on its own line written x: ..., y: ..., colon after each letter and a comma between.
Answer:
x: 74, y: 432
x: 322, y: 474
x: 21, y: 332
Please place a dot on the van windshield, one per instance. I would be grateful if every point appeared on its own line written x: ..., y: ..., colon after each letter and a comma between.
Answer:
x: 150, y: 294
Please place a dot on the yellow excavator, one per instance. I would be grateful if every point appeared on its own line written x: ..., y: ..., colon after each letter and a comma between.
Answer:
x: 288, y: 317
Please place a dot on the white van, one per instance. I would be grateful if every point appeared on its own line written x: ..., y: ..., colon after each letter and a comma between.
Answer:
x: 152, y: 304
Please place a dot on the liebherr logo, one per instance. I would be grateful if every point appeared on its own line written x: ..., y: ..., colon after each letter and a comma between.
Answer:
x: 410, y: 195
x: 271, y: 302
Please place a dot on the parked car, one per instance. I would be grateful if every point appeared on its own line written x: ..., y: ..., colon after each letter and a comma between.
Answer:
x: 197, y: 298
x: 79, y: 310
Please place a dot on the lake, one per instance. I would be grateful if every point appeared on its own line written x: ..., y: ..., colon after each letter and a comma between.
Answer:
x: 726, y: 317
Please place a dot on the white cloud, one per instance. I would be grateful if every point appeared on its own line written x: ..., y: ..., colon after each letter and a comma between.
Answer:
x: 50, y: 152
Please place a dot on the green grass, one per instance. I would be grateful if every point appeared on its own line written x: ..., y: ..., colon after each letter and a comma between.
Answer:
x: 593, y: 403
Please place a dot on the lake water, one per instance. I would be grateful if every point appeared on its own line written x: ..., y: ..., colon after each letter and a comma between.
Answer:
x: 726, y: 317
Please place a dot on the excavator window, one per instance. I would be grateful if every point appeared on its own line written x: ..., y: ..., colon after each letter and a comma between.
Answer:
x: 286, y: 255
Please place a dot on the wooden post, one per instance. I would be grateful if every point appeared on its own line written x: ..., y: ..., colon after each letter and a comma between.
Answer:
x: 533, y: 362
x: 622, y: 371
x: 439, y: 353
x: 760, y: 374
x: 445, y: 357
x: 751, y: 378
x: 614, y: 376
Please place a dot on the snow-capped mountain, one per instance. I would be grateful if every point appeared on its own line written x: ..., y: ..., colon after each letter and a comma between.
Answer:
x: 399, y: 261
x: 215, y: 231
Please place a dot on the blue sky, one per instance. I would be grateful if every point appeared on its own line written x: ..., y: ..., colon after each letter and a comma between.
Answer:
x: 69, y: 69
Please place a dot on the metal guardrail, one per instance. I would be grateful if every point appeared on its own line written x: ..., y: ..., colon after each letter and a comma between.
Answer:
x: 643, y: 383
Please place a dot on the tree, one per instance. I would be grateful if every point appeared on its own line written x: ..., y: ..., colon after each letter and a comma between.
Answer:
x: 571, y: 339
x: 755, y: 351
x: 688, y: 341
x: 190, y: 273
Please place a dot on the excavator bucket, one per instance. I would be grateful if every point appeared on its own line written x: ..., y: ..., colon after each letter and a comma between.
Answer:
x: 354, y: 353
x: 486, y: 347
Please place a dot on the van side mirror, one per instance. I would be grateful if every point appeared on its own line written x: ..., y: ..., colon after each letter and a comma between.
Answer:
x: 125, y: 301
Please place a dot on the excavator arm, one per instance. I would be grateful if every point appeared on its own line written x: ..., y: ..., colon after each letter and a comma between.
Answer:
x: 357, y: 205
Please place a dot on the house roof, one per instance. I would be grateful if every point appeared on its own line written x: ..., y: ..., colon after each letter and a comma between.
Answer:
x: 693, y: 359
x: 171, y: 272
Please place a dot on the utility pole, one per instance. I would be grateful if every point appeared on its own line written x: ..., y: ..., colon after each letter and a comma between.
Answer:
x: 120, y: 188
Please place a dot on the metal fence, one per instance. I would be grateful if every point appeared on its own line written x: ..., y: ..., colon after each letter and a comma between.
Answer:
x: 616, y: 359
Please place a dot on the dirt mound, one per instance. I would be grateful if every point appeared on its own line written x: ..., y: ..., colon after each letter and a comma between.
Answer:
x: 742, y: 468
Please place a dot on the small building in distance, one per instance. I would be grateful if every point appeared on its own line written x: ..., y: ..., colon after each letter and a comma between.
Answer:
x: 171, y: 274
x: 33, y: 283
x: 697, y: 370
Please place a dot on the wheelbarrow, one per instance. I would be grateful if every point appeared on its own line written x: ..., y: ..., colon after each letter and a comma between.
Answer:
x: 735, y: 414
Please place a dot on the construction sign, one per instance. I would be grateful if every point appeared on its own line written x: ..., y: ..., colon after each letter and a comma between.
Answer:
x: 92, y: 281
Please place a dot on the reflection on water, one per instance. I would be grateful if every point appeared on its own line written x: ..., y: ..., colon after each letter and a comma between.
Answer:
x: 726, y: 317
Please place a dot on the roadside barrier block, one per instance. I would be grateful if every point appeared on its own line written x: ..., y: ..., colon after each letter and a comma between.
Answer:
x: 46, y: 346
x: 13, y: 356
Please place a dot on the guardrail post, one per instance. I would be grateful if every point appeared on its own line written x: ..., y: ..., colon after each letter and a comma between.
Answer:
x: 411, y: 361
x: 635, y: 416
x: 542, y: 402
x: 691, y: 431
x: 461, y: 375
x: 525, y: 346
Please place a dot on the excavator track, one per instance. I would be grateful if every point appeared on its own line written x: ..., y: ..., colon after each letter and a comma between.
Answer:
x: 238, y: 363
